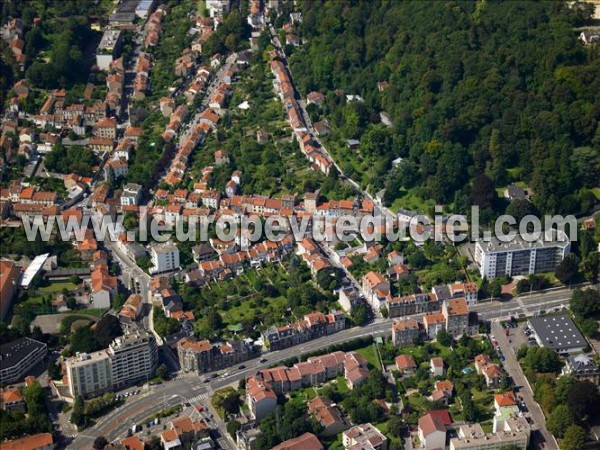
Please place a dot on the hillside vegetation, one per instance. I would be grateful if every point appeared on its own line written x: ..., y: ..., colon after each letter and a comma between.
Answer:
x: 481, y: 95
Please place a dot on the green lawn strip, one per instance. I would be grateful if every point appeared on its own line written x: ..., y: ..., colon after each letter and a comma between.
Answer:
x: 370, y: 353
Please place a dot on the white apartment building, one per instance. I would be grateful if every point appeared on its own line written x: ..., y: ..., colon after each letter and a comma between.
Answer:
x: 131, y: 195
x: 133, y: 357
x: 165, y: 257
x: 108, y: 49
x: 519, y: 257
x: 516, y: 433
x: 128, y: 359
x: 88, y: 373
x: 218, y: 8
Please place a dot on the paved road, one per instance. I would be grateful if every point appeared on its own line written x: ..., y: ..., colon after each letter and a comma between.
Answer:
x: 191, y: 387
x: 512, y: 367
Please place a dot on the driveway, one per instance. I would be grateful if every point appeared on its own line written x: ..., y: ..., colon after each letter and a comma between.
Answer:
x: 512, y: 367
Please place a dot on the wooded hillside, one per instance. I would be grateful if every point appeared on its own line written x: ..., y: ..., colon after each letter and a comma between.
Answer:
x: 503, y: 90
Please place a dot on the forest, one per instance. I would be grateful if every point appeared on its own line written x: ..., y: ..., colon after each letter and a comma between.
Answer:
x: 481, y: 95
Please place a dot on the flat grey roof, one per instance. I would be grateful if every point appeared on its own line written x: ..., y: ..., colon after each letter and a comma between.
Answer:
x: 547, y: 239
x: 15, y: 351
x: 557, y: 332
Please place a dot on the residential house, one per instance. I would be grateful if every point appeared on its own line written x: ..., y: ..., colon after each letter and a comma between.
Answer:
x: 443, y: 391
x: 106, y: 128
x: 203, y: 356
x: 583, y: 368
x: 406, y: 365
x: 434, y: 323
x: 260, y: 398
x: 376, y: 289
x: 405, y: 332
x: 307, y: 441
x: 328, y: 415
x: 432, y: 432
x: 456, y: 313
x: 364, y: 436
x: 11, y: 400
x: 436, y: 366
x: 132, y: 308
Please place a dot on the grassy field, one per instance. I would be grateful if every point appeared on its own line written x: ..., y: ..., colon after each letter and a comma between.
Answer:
x: 57, y: 287
x: 36, y: 297
x: 370, y: 353
x: 410, y: 201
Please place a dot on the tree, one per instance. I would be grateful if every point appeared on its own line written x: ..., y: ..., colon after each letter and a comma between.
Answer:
x: 153, y: 444
x: 444, y: 338
x: 483, y: 192
x: 231, y: 403
x: 83, y: 341
x: 468, y: 407
x: 583, y: 400
x: 77, y: 416
x: 585, y: 302
x: 591, y: 267
x: 54, y: 370
x: 559, y: 420
x: 99, y: 443
x: 567, y: 269
x: 107, y: 329
x: 360, y: 314
x: 232, y: 427
x: 162, y: 371
x: 541, y: 359
x: 574, y: 438
x: 496, y: 288
x: 519, y: 208
x: 330, y: 278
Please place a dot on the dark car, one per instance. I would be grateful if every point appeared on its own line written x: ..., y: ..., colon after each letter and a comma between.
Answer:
x: 241, y: 367
x: 264, y: 360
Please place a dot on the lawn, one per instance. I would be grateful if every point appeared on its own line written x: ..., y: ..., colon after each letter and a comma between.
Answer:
x: 370, y: 353
x: 57, y: 287
x: 419, y: 353
x: 217, y: 397
x: 410, y: 201
x: 419, y: 403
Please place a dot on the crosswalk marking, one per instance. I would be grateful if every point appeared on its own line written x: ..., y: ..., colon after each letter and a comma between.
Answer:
x: 197, y: 398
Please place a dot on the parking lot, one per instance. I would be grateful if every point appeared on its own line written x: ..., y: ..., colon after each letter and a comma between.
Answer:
x: 517, y: 337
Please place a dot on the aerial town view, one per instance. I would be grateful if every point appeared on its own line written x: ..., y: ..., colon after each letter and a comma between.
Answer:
x: 300, y: 224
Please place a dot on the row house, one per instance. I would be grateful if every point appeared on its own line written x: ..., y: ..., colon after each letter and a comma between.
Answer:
x: 456, y: 313
x: 142, y: 69
x: 376, y: 289
x: 263, y: 388
x: 31, y: 210
x: 31, y: 196
x: 106, y: 128
x: 468, y: 291
x: 312, y: 326
x: 411, y: 304
x: 132, y: 309
x: 405, y: 332
x: 154, y: 28
x: 101, y: 144
x: 104, y: 287
x: 181, y: 431
x: 203, y: 356
x: 115, y: 168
